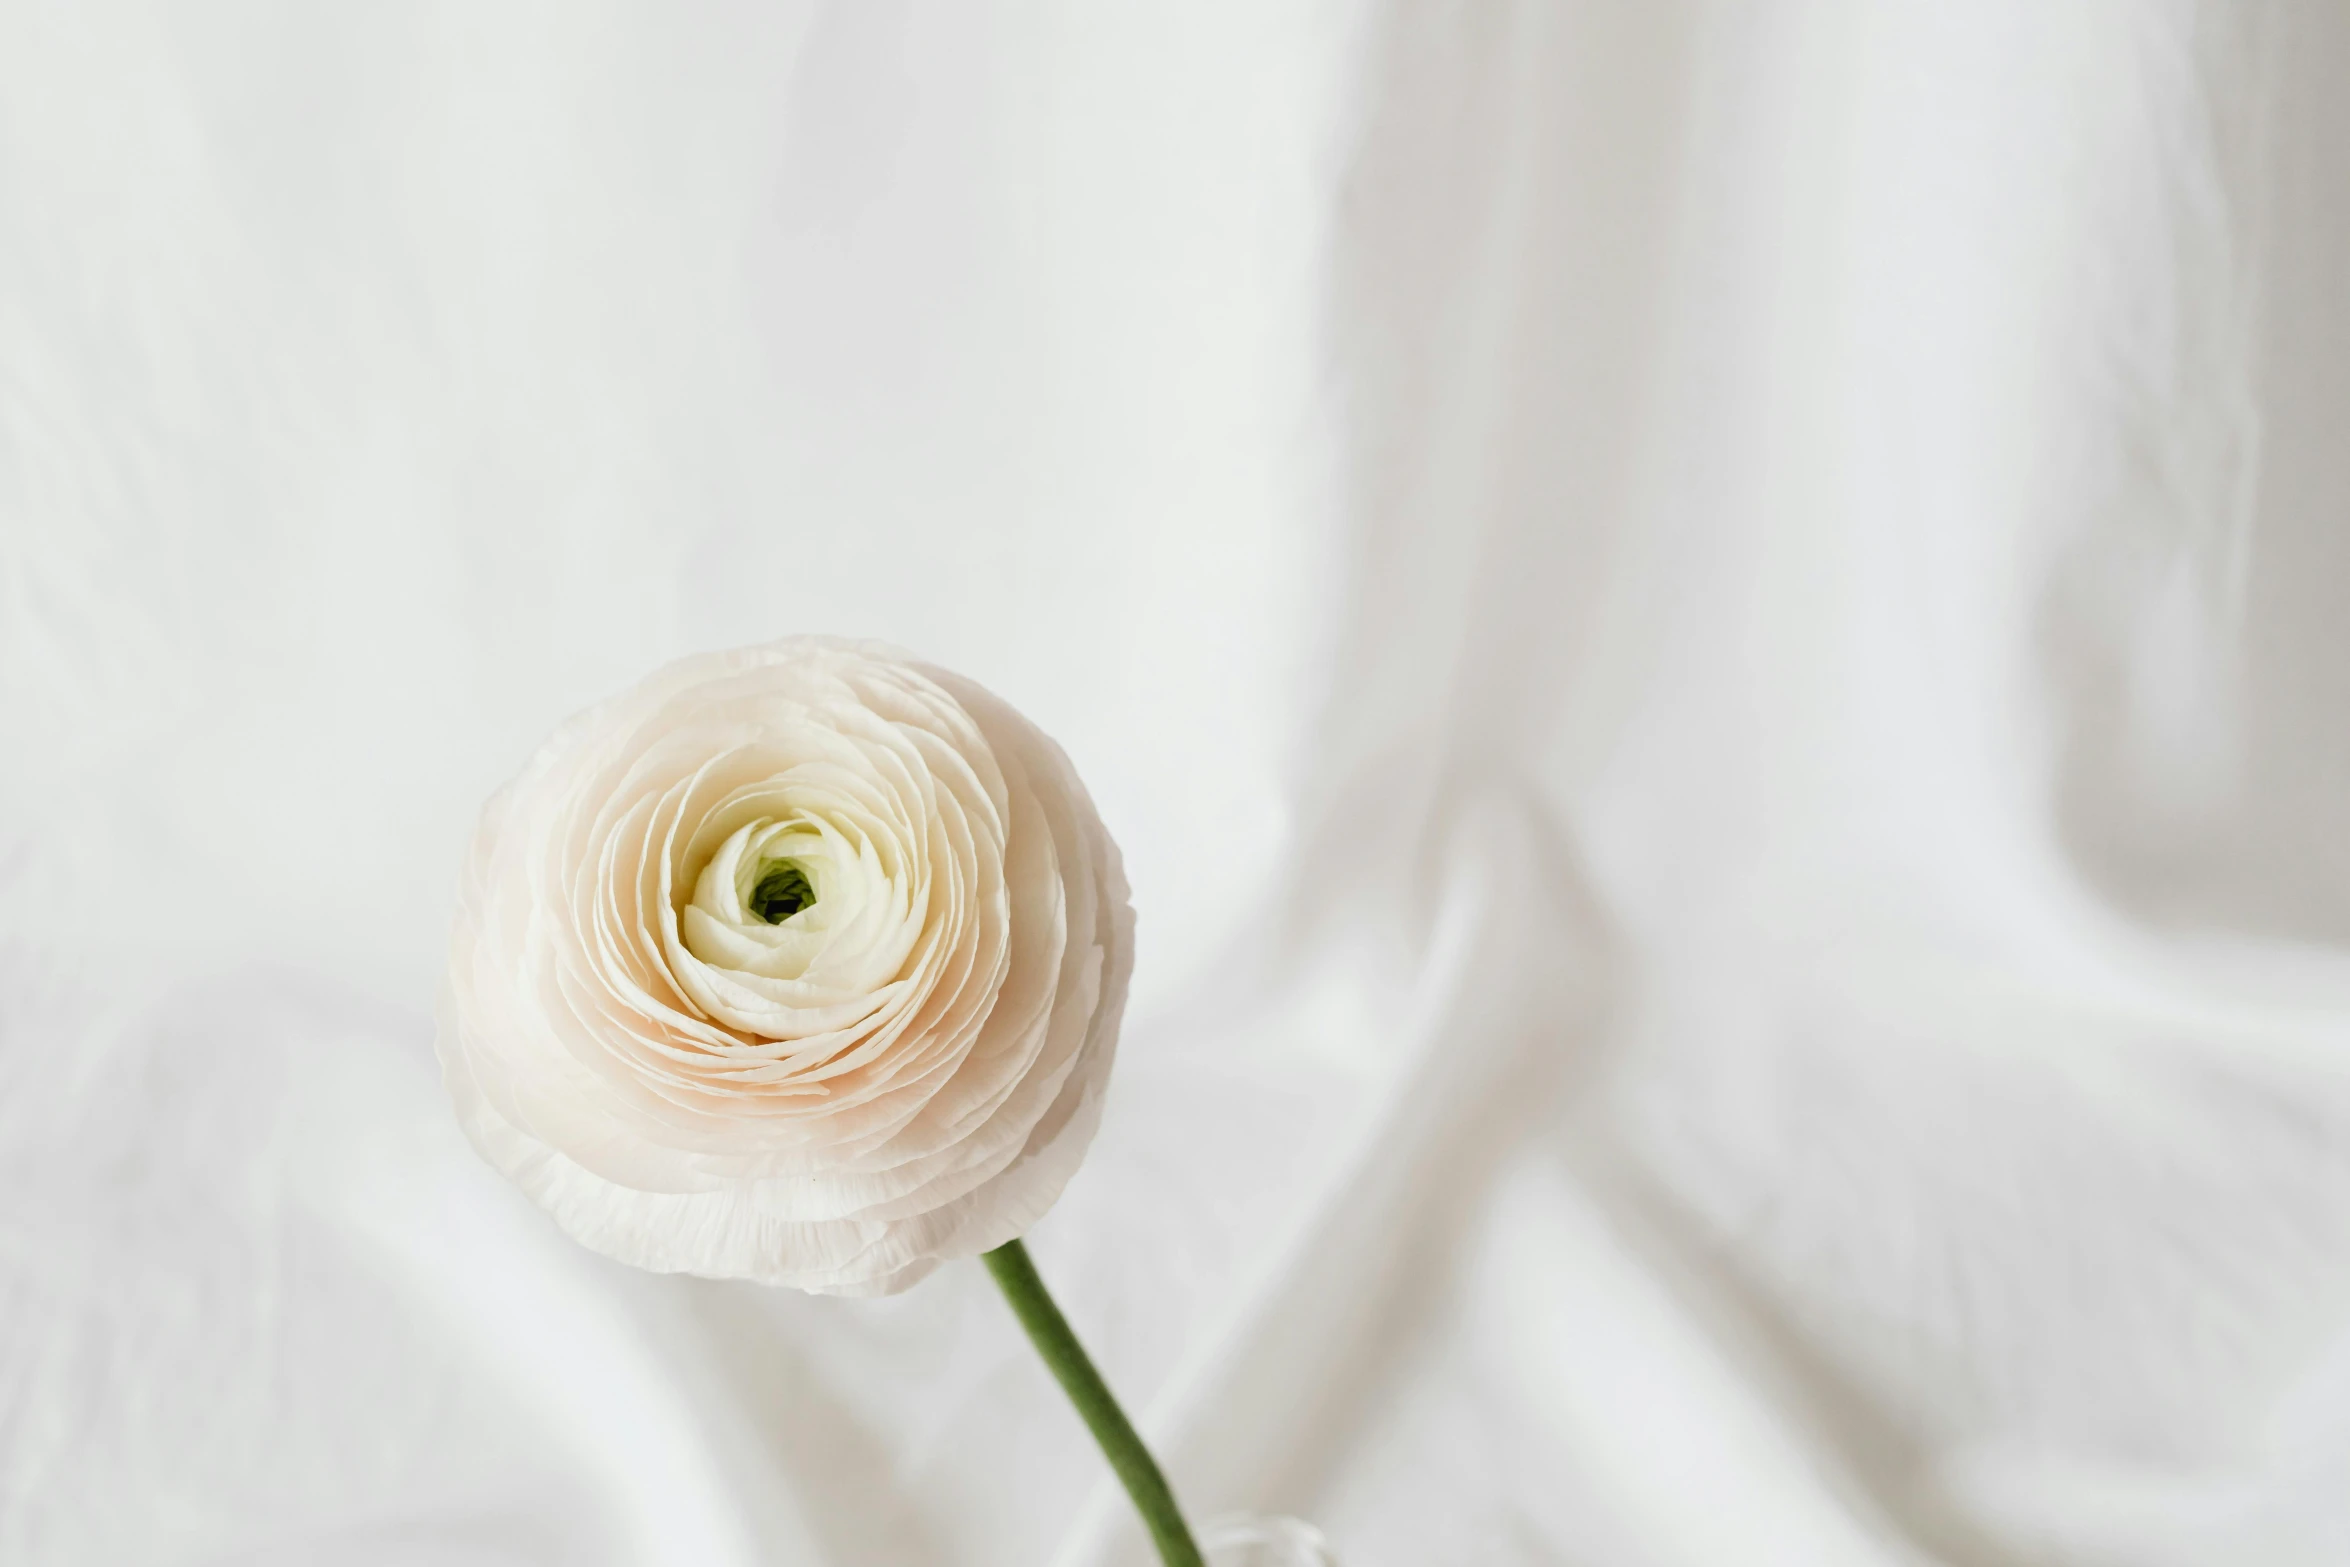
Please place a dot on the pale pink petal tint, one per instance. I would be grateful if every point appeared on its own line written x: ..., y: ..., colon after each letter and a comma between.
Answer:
x: 800, y: 963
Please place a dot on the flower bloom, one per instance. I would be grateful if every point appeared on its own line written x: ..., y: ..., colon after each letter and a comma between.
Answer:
x: 800, y: 963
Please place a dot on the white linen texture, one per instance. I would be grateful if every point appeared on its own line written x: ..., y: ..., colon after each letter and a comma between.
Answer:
x: 801, y: 963
x: 1716, y: 639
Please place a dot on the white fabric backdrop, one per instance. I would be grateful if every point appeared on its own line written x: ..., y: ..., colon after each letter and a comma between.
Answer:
x: 1719, y: 636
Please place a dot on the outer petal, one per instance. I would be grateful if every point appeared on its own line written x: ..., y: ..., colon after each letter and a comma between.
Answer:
x: 938, y: 1116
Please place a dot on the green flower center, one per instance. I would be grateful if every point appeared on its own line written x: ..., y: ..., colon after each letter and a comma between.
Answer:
x: 781, y: 891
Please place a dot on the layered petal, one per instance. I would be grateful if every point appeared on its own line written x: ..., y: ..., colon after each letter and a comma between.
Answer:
x: 801, y: 963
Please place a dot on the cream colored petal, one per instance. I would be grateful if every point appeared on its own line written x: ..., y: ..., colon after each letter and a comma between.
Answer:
x: 907, y: 1071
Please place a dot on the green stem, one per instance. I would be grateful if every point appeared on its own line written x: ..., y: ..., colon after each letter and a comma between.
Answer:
x: 1016, y: 1276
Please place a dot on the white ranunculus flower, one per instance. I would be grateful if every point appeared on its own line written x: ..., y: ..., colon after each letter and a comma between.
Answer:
x: 800, y: 963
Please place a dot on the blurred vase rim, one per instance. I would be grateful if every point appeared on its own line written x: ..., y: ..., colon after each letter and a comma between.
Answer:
x: 1259, y: 1540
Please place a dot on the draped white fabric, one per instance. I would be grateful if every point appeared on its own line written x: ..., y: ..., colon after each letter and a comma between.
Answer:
x: 1719, y: 637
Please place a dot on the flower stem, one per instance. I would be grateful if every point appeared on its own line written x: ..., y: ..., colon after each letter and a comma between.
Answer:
x: 1016, y: 1276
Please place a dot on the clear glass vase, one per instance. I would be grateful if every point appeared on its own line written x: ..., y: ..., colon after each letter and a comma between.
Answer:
x: 1252, y: 1540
